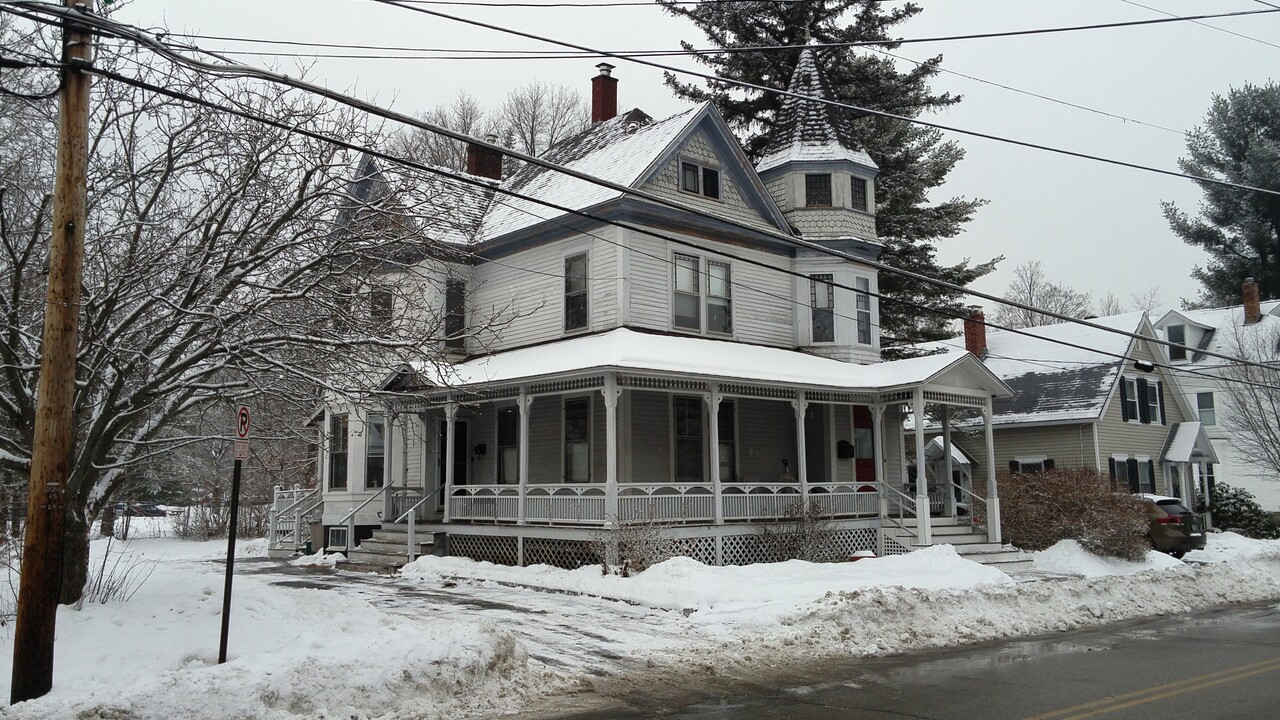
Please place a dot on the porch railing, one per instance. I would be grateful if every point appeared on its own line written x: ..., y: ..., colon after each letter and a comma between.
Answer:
x: 681, y: 502
x: 403, y: 498
x: 495, y: 503
x: 845, y: 499
x: 896, y: 507
x: 975, y: 512
x: 289, y: 510
x: 565, y: 504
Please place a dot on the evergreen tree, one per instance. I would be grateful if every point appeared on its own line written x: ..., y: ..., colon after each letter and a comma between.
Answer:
x: 1240, y: 229
x: 912, y: 159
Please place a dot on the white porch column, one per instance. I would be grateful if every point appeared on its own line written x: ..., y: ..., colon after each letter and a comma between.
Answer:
x: 949, y: 493
x: 993, y: 494
x: 713, y: 408
x: 450, y: 414
x: 523, y: 404
x: 389, y: 469
x: 925, y: 534
x: 611, y: 393
x: 877, y: 449
x: 802, y: 470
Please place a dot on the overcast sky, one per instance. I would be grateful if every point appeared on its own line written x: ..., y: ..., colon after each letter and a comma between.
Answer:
x: 1096, y: 227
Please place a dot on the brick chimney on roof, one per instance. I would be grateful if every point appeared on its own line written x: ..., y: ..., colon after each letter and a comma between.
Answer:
x: 975, y: 333
x: 484, y: 162
x: 604, y: 94
x: 1252, y: 305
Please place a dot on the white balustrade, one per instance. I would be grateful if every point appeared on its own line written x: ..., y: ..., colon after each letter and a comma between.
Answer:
x: 564, y: 504
x: 685, y: 502
x: 496, y: 503
x: 845, y: 499
x: 759, y: 502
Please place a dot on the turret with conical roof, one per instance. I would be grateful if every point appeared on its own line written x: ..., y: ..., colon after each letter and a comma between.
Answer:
x: 814, y: 166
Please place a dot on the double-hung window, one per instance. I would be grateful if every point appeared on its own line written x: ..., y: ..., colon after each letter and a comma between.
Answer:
x: 1031, y: 465
x: 1177, y: 334
x: 1142, y: 400
x: 508, y: 445
x: 728, y: 442
x: 375, y: 452
x: 381, y: 307
x: 690, y: 292
x: 577, y: 440
x: 1204, y: 403
x: 1130, y: 399
x: 822, y: 302
x: 817, y: 190
x: 863, y: 302
x: 699, y: 179
x: 859, y: 193
x: 455, y: 313
x: 338, y: 452
x: 1153, y: 402
x: 688, y: 438
x: 575, y: 292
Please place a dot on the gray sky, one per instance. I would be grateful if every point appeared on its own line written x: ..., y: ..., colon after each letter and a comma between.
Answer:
x: 1096, y: 227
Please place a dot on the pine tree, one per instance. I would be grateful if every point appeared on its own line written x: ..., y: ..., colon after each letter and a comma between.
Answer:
x: 1240, y: 229
x: 912, y: 159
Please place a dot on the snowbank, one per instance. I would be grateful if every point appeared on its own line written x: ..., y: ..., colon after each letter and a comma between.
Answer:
x: 1070, y: 558
x: 1228, y: 546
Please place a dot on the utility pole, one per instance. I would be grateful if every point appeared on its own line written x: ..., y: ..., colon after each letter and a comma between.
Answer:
x: 41, y: 574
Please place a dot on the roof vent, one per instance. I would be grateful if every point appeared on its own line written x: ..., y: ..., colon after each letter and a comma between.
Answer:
x: 632, y: 127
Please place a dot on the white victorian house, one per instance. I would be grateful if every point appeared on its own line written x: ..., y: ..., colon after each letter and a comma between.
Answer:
x: 688, y: 365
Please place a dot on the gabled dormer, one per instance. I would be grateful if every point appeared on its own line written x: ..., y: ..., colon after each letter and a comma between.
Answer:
x: 815, y: 168
x: 1176, y: 327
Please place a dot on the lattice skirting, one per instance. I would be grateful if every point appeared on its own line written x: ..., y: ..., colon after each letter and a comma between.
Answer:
x: 740, y: 549
x: 893, y: 547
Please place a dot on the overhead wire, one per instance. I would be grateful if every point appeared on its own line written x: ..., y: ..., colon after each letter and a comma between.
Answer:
x: 239, y: 70
x: 1207, y: 25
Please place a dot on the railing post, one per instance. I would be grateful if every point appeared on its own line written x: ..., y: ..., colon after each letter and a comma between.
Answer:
x: 713, y: 402
x: 993, y: 494
x: 412, y: 527
x: 922, y: 482
x: 297, y: 527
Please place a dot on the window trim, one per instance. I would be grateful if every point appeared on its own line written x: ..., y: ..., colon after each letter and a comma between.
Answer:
x: 702, y: 281
x: 855, y: 182
x: 1129, y: 389
x: 370, y: 421
x: 1212, y: 409
x: 564, y: 437
x: 1177, y: 354
x: 585, y: 293
x: 702, y: 170
x: 1044, y: 461
x: 863, y: 297
x: 345, y: 436
x: 831, y: 190
x: 727, y: 298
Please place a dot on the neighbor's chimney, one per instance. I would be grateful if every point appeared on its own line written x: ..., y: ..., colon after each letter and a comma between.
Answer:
x: 604, y: 94
x: 1252, y: 308
x: 975, y: 333
x: 484, y: 162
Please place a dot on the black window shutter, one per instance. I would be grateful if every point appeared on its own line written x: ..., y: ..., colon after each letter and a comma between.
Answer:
x: 1133, y: 475
x: 1124, y: 400
x: 1160, y: 394
x: 1111, y: 470
x: 1013, y: 466
x: 1048, y: 464
x: 1155, y: 484
x: 1144, y: 410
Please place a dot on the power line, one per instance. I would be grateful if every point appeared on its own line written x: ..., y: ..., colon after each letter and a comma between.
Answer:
x: 478, y: 183
x: 614, y: 4
x: 846, y: 106
x: 246, y: 71
x: 1207, y: 25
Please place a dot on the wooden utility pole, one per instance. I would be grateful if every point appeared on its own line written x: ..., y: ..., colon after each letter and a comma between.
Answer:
x: 55, y: 423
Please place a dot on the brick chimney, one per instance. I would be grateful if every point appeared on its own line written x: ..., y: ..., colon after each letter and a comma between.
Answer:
x: 975, y: 333
x: 1252, y: 307
x: 604, y: 94
x: 484, y: 162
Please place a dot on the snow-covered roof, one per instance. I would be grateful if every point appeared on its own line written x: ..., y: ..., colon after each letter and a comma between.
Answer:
x: 1186, y: 442
x: 629, y: 350
x: 429, y: 206
x: 1223, y: 321
x: 1053, y: 382
x: 812, y: 131
x: 619, y: 150
x: 933, y: 452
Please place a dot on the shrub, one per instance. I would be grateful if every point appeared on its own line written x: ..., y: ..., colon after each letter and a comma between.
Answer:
x: 804, y: 534
x: 1235, y: 509
x: 634, y: 546
x: 1038, y: 510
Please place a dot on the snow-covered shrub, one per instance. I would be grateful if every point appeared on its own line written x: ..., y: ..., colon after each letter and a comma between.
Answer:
x: 1235, y: 509
x: 804, y: 534
x: 1039, y: 509
x: 634, y: 546
x: 201, y: 522
x: 116, y: 578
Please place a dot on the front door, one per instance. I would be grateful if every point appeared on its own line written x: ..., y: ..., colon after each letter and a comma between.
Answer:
x: 461, y: 455
x: 864, y: 460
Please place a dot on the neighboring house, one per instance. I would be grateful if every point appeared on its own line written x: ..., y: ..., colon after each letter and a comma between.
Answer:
x: 1252, y: 325
x: 1110, y: 403
x: 695, y: 367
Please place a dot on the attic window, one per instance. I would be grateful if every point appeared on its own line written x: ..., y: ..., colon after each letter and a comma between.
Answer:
x: 859, y: 194
x: 1177, y: 334
x: 817, y: 190
x: 699, y: 179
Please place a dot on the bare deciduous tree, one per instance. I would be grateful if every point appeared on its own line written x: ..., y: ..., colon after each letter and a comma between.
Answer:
x: 1109, y: 304
x: 1147, y: 300
x: 1031, y: 286
x: 465, y: 114
x: 225, y: 260
x: 1252, y: 408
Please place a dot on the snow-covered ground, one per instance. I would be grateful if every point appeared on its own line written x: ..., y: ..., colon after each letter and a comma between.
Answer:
x: 451, y: 637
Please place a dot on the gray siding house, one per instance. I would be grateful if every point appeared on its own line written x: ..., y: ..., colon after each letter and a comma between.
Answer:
x: 675, y: 358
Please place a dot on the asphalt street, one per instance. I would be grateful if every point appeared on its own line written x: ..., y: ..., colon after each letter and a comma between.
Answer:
x: 1211, y: 665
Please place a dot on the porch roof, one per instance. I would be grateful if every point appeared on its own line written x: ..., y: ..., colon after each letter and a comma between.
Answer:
x: 1187, y: 442
x: 628, y: 350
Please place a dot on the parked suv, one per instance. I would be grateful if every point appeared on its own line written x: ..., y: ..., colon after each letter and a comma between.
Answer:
x: 1174, y: 529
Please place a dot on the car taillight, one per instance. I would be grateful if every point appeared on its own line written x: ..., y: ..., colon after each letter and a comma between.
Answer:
x: 1169, y: 519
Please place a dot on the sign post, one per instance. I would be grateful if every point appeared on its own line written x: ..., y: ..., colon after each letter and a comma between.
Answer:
x: 241, y: 454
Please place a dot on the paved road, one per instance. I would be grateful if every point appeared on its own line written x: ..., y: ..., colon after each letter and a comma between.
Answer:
x: 1212, y: 665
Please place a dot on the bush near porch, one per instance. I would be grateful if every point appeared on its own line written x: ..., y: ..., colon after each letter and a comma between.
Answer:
x: 1038, y: 510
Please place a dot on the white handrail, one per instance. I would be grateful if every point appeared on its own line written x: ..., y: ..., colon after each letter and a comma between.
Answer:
x: 349, y: 518
x: 976, y: 500
x: 299, y: 501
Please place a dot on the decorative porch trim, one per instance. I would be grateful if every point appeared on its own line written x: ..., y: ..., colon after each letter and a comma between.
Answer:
x: 559, y: 386
x: 954, y: 399
x: 759, y: 391
x: 644, y: 382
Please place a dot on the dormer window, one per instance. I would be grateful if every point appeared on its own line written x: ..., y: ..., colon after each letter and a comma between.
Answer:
x: 699, y: 179
x: 817, y: 190
x: 1177, y: 334
x: 860, y: 194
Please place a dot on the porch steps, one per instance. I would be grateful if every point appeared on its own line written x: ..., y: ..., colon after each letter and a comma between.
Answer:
x: 970, y: 544
x: 387, y: 550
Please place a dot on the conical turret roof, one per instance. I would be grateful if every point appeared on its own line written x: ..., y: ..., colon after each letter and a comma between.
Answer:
x: 809, y: 131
